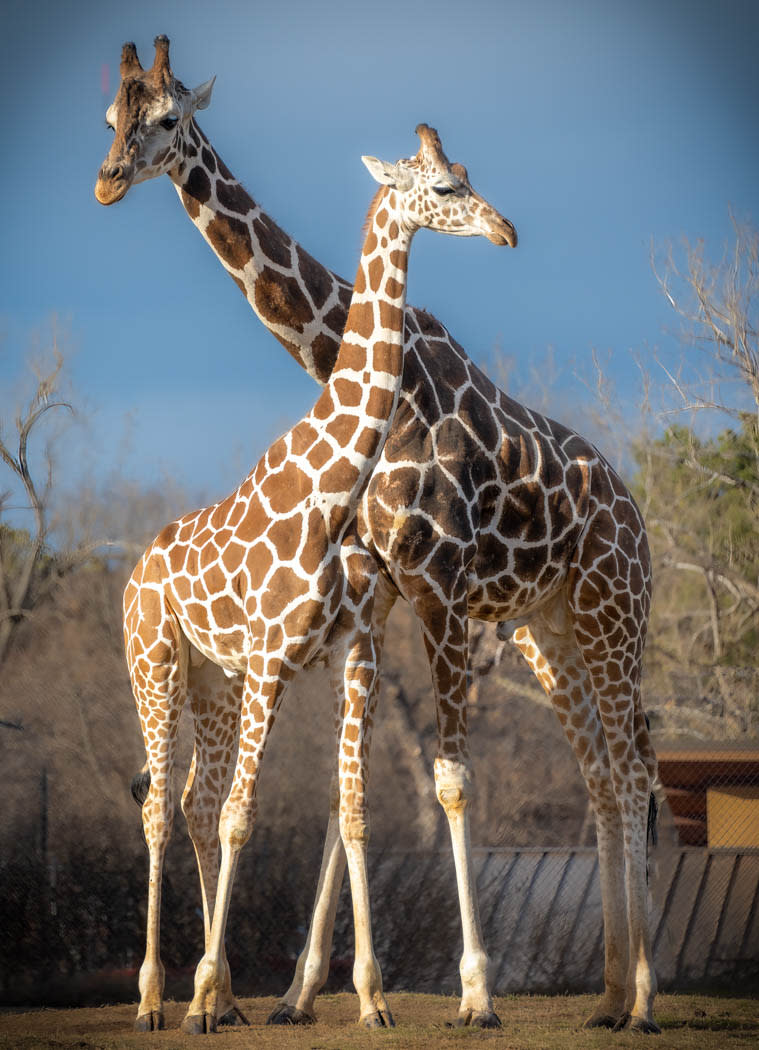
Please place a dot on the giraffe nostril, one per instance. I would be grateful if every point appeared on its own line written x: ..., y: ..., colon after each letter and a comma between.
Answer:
x: 113, y: 174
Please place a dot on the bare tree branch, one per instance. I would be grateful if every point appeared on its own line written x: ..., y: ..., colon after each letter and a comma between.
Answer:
x: 21, y: 556
x: 720, y: 304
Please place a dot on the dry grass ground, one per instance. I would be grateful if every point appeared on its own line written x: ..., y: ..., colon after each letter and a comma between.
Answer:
x: 689, y: 1022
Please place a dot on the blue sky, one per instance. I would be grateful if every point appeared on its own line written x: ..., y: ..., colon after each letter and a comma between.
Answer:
x: 596, y: 126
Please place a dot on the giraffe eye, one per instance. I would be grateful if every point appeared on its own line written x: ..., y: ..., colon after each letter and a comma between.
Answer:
x: 443, y: 191
x: 109, y: 125
x: 169, y: 122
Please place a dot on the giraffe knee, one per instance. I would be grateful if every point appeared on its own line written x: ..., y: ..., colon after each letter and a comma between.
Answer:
x: 354, y: 828
x: 234, y: 834
x: 202, y: 822
x: 157, y: 819
x: 454, y: 785
x: 236, y: 825
x: 640, y: 782
x: 597, y: 776
x: 354, y: 820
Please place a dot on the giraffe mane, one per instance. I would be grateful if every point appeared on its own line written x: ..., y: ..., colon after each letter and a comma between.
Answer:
x: 372, y: 210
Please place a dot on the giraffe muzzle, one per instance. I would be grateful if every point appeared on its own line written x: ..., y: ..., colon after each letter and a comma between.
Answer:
x: 503, y: 232
x: 112, y: 184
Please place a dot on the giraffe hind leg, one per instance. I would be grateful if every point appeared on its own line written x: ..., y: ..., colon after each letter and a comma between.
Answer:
x: 261, y: 697
x: 445, y: 633
x: 555, y: 659
x: 159, y: 693
x: 296, y: 1007
x: 312, y: 968
x: 610, y: 613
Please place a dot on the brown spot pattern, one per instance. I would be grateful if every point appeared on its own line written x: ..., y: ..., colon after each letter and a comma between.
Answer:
x: 230, y: 239
x: 233, y: 197
x: 280, y: 300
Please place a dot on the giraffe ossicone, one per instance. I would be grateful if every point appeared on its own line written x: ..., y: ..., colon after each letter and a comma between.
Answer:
x: 478, y: 506
x: 275, y: 575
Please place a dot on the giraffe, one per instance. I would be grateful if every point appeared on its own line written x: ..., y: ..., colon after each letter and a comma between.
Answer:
x: 274, y: 576
x: 478, y: 507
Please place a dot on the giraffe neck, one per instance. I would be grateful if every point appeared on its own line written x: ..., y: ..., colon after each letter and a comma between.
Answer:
x: 355, y: 411
x: 301, y: 302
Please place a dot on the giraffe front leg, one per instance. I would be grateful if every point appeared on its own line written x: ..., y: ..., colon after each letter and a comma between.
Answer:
x: 215, y: 703
x: 368, y: 604
x: 211, y: 974
x: 260, y: 701
x: 454, y: 786
x: 445, y: 637
x: 360, y: 696
x: 312, y: 968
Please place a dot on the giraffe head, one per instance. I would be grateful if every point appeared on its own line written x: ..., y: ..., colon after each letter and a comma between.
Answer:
x: 149, y: 117
x: 433, y: 193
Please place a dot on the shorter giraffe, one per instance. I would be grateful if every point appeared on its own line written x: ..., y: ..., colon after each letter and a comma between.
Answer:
x: 275, y: 576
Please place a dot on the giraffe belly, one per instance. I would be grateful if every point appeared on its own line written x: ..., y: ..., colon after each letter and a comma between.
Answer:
x: 510, y: 599
x: 513, y: 576
x: 229, y: 650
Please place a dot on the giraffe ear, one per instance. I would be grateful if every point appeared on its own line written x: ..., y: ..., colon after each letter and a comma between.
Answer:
x: 389, y: 174
x: 201, y: 95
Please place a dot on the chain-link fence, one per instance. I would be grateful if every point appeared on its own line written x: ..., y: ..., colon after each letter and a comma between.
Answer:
x: 78, y: 919
x: 73, y: 868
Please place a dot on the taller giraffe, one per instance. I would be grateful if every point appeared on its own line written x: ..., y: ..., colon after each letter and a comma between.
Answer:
x: 274, y: 576
x: 477, y: 506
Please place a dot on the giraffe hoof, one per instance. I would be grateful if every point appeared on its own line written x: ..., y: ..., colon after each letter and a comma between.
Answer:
x: 286, y: 1014
x: 478, y: 1019
x: 379, y: 1019
x: 602, y: 1021
x: 485, y: 1019
x: 198, y: 1024
x: 234, y: 1018
x: 643, y: 1026
x: 150, y: 1022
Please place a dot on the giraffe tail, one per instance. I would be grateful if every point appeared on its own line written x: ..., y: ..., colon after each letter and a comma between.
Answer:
x: 652, y: 835
x: 141, y: 785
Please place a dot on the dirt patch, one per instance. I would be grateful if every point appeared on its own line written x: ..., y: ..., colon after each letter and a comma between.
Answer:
x: 689, y: 1022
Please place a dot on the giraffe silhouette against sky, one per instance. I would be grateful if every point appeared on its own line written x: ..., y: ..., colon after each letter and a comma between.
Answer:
x: 478, y: 506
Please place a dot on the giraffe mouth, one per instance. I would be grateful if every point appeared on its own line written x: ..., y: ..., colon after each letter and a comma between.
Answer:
x: 502, y: 233
x: 109, y: 192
